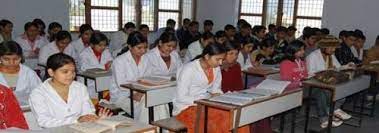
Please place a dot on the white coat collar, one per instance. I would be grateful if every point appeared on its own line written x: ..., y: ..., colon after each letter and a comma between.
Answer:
x: 4, y: 82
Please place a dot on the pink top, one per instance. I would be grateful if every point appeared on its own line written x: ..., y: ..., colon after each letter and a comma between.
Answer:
x: 293, y: 71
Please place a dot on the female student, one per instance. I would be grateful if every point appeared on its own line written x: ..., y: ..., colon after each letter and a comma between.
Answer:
x: 53, y: 29
x: 231, y: 69
x: 84, y: 38
x: 201, y: 78
x: 163, y: 59
x: 220, y: 37
x: 195, y: 48
x: 264, y: 55
x: 320, y: 60
x: 60, y: 45
x: 95, y: 56
x: 244, y: 55
x: 129, y: 66
x: 6, y: 28
x: 11, y: 115
x: 60, y: 100
x: 31, y: 43
x: 41, y: 27
x: 293, y: 68
x: 20, y: 78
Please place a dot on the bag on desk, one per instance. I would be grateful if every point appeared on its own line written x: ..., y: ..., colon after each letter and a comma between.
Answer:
x: 331, y: 77
x: 102, y: 126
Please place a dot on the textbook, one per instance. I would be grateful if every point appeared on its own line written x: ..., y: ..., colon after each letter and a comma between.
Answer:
x: 154, y: 82
x: 237, y: 98
x: 103, y: 125
x: 269, y: 87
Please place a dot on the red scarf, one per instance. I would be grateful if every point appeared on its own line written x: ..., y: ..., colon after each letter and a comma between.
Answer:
x: 30, y: 42
x: 10, y: 111
x: 97, y: 54
x: 85, y: 43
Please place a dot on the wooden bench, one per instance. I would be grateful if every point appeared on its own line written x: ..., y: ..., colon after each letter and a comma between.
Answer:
x: 170, y: 124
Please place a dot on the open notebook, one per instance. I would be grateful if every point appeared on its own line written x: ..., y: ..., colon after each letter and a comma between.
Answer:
x: 154, y: 82
x: 237, y: 98
x: 269, y: 87
x: 102, y: 126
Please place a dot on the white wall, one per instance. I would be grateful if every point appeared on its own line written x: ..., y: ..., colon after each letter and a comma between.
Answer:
x: 222, y: 12
x: 351, y: 15
x: 22, y: 11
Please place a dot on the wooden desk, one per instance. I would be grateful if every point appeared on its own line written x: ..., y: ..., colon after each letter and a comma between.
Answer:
x: 254, y: 111
x: 136, y: 127
x: 102, y: 81
x: 153, y: 97
x: 338, y: 92
x: 260, y: 72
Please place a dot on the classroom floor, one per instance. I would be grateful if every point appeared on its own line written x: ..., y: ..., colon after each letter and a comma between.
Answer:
x: 369, y: 124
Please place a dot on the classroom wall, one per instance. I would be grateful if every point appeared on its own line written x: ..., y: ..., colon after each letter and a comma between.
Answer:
x: 352, y: 14
x: 222, y: 12
x: 22, y: 11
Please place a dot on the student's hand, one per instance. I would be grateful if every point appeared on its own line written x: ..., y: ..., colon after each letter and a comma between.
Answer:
x: 108, y: 65
x: 137, y: 96
x: 104, y: 113
x: 88, y: 118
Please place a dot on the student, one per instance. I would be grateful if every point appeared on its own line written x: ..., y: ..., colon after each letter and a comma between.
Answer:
x: 280, y: 38
x: 60, y: 100
x: 41, y: 27
x: 230, y: 32
x: 306, y: 30
x: 324, y: 32
x: 31, y: 43
x: 231, y: 69
x: 244, y: 33
x: 170, y: 23
x: 357, y: 48
x: 372, y: 53
x: 291, y: 32
x: 271, y: 30
x: 259, y: 33
x: 195, y: 48
x: 163, y: 59
x: 60, y: 45
x: 6, y: 28
x: 294, y: 67
x: 53, y: 29
x: 199, y: 79
x: 119, y: 38
x: 244, y: 58
x: 207, y: 26
x: 129, y: 66
x: 12, y: 115
x: 182, y: 30
x: 241, y: 22
x: 191, y: 35
x: 344, y: 54
x: 14, y: 75
x: 264, y: 55
x: 320, y: 60
x: 342, y: 34
x: 220, y: 37
x: 85, y: 32
x: 97, y: 55
x: 309, y: 38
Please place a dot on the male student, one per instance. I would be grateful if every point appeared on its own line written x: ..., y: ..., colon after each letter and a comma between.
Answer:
x: 344, y: 54
x: 118, y: 39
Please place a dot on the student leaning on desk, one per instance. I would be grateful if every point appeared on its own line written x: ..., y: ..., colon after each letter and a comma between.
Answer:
x: 60, y: 100
x: 199, y: 79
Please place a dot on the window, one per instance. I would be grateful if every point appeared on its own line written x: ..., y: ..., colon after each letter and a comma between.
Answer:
x: 300, y: 13
x: 110, y: 15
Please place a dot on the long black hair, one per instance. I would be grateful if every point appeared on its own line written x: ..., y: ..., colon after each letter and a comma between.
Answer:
x: 11, y: 48
x: 292, y: 48
x: 98, y: 37
x: 211, y: 49
x: 134, y: 39
x: 83, y: 28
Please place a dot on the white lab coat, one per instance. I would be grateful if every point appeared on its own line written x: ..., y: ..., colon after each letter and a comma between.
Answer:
x: 88, y: 60
x: 78, y: 45
x: 316, y: 63
x: 51, y: 48
x: 27, y: 50
x: 158, y: 66
x: 51, y: 110
x: 245, y: 64
x: 118, y: 40
x: 194, y: 49
x: 355, y: 52
x: 192, y: 85
x: 26, y: 82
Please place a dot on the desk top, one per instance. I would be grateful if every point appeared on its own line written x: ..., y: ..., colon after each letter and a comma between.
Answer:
x: 144, y: 90
x: 226, y: 106
x: 315, y: 83
x: 88, y: 74
x: 261, y: 71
